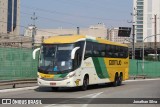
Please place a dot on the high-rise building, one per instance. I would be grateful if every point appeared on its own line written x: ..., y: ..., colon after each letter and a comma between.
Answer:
x: 143, y: 14
x: 9, y: 17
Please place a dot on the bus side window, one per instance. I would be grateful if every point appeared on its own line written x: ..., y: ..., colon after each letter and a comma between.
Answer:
x: 77, y: 60
x: 121, y: 52
x: 88, y: 50
x: 108, y: 51
x: 116, y: 52
x: 125, y: 52
x: 102, y: 50
x: 96, y: 48
x: 112, y: 51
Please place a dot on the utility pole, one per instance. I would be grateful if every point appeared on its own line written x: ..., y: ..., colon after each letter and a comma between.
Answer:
x: 134, y: 14
x: 155, y: 32
x: 34, y: 18
x: 133, y: 43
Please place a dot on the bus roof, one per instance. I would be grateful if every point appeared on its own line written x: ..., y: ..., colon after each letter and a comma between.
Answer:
x: 74, y: 38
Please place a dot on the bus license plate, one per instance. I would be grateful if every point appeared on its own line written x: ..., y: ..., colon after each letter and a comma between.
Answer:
x: 52, y: 83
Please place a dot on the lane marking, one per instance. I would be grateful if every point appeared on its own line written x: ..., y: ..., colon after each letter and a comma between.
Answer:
x: 18, y: 89
x: 88, y: 102
x: 91, y: 95
x: 94, y: 95
x: 141, y: 80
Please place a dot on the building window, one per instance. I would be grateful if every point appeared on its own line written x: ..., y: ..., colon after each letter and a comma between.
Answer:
x: 139, y: 3
x: 139, y: 34
x: 139, y: 26
x: 139, y: 18
x: 139, y: 30
x: 139, y: 22
x: 15, y: 15
x: 9, y: 22
x: 139, y: 7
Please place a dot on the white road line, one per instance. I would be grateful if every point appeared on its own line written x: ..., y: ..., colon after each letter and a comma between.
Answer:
x: 142, y: 80
x: 18, y: 89
x: 91, y: 95
x: 94, y: 95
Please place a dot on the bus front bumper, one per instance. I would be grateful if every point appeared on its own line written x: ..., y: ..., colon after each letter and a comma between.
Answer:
x: 63, y: 83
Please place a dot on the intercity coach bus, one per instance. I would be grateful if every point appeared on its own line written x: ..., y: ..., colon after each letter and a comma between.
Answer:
x: 79, y: 61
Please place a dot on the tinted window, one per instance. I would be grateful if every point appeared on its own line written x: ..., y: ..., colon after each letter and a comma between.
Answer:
x: 113, y: 51
x: 89, y: 51
x: 94, y: 49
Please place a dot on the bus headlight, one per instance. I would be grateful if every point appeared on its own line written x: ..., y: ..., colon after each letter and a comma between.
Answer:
x: 70, y: 76
x: 38, y: 75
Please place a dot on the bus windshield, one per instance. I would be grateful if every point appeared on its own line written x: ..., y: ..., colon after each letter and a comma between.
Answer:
x: 56, y: 58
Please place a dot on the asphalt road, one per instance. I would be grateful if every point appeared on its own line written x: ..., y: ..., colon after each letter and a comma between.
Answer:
x: 129, y: 89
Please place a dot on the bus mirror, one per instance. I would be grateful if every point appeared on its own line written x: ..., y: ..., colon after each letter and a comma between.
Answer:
x: 73, y: 52
x: 34, y: 52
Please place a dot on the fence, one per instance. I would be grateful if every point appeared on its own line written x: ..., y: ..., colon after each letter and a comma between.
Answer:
x: 151, y: 69
x: 17, y: 63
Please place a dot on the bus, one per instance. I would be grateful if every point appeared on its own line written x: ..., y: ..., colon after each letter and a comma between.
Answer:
x: 79, y: 61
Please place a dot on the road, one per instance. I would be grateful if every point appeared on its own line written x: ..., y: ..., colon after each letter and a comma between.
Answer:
x: 129, y: 89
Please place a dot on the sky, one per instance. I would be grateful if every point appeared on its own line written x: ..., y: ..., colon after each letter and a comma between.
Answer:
x: 76, y: 13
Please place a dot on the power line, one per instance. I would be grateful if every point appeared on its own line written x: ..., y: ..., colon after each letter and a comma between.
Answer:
x: 54, y: 20
x: 68, y: 14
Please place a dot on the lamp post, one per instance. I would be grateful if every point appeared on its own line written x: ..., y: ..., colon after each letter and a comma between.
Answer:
x: 143, y: 51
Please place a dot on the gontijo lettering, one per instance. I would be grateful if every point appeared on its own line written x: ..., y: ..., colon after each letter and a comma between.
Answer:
x: 115, y: 62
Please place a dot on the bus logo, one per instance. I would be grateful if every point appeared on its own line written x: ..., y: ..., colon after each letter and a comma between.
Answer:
x: 115, y: 62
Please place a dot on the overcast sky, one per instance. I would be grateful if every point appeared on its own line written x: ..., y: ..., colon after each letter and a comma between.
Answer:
x: 73, y: 13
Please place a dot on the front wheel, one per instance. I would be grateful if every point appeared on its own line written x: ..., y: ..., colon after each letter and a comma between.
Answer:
x: 85, y: 83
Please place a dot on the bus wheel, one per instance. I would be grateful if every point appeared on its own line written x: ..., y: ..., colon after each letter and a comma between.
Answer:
x: 120, y: 80
x: 116, y: 79
x: 85, y: 83
x: 54, y: 88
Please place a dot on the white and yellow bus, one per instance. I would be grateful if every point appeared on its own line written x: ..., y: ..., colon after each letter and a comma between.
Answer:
x: 79, y: 61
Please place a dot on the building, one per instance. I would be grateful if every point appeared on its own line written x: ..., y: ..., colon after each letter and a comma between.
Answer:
x: 144, y: 11
x: 9, y: 17
x: 113, y: 36
x: 98, y: 30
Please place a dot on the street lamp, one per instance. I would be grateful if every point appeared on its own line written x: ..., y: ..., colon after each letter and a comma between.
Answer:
x: 143, y: 51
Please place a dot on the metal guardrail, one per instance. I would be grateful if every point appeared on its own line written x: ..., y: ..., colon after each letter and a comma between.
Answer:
x: 15, y: 82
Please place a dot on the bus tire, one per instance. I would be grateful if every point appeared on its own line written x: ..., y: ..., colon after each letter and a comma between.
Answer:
x: 120, y: 79
x: 85, y: 83
x: 116, y: 79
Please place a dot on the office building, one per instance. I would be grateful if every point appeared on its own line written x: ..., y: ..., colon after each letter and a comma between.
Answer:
x: 143, y: 16
x: 9, y: 17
